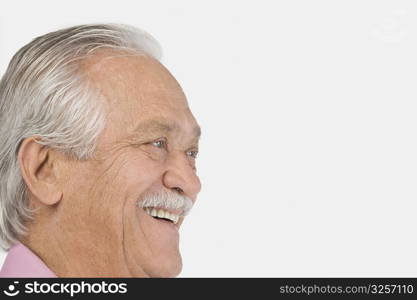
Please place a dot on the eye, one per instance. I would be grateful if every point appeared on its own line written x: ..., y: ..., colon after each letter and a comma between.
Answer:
x: 192, y: 153
x: 162, y: 144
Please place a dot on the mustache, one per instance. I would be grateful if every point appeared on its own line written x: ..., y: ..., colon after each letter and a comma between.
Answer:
x: 166, y: 200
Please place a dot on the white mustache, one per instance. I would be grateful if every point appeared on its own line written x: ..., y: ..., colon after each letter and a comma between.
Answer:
x: 166, y: 200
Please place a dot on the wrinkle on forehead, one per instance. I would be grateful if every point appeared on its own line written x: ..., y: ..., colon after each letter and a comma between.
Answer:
x: 132, y: 76
x: 163, y: 126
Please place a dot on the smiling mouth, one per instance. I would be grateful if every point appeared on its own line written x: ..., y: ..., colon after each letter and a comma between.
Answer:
x: 161, y: 214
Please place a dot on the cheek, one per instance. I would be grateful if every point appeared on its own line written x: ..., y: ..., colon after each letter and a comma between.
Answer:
x: 100, y: 194
x: 92, y: 209
x: 136, y: 175
x: 97, y: 195
x: 140, y: 171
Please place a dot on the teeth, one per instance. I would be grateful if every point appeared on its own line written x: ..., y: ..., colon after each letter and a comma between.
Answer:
x: 176, y: 218
x: 160, y: 213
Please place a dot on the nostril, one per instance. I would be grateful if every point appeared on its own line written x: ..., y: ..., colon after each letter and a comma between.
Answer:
x: 179, y: 190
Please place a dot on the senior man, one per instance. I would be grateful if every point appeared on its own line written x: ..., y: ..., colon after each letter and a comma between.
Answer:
x: 97, y: 157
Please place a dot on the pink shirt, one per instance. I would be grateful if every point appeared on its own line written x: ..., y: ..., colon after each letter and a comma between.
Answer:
x: 21, y: 262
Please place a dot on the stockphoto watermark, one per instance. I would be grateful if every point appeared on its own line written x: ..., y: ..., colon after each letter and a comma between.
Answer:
x: 17, y: 287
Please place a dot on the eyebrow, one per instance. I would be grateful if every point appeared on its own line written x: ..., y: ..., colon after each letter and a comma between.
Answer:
x: 160, y: 126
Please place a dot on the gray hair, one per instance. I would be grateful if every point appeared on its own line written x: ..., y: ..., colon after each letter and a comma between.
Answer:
x: 45, y: 94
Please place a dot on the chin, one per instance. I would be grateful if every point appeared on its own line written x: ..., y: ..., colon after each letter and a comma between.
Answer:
x: 165, y: 268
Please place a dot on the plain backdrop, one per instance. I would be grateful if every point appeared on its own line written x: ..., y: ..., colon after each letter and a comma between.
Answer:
x: 308, y: 108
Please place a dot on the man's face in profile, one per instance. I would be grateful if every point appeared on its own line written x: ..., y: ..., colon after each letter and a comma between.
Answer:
x: 147, y: 149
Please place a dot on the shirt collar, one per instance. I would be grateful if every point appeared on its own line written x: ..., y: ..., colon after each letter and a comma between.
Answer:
x: 22, y: 262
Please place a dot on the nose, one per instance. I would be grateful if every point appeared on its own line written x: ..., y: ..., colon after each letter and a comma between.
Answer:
x: 180, y: 176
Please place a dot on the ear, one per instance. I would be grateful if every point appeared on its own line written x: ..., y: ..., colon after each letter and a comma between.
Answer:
x: 38, y: 170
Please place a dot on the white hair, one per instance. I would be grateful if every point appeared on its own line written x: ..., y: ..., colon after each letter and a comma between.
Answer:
x: 45, y: 94
x: 168, y: 200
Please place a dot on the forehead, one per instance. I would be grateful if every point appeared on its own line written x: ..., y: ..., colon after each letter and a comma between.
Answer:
x: 137, y: 88
x: 125, y: 78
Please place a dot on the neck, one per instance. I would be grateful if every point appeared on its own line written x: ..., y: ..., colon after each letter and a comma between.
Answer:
x: 77, y: 254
